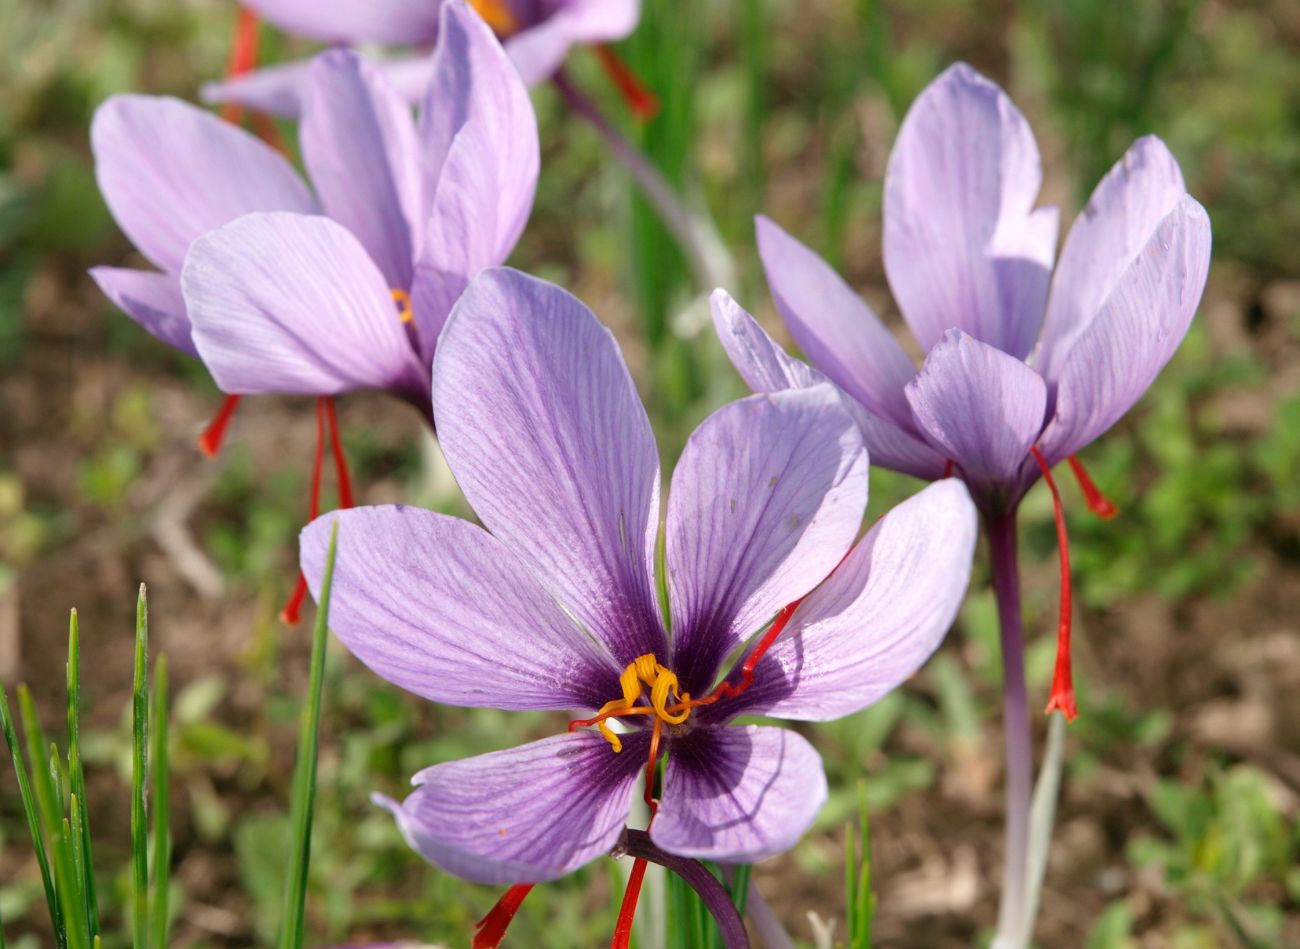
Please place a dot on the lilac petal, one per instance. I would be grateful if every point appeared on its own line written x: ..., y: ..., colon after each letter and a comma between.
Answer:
x: 276, y: 90
x: 543, y: 429
x: 979, y: 406
x: 1134, y: 334
x: 171, y: 172
x: 768, y: 495
x: 766, y: 367
x: 390, y: 22
x: 834, y: 326
x: 539, y: 52
x: 876, y: 620
x: 526, y: 814
x: 738, y: 794
x: 438, y: 606
x: 291, y: 303
x: 473, y: 81
x: 151, y: 299
x: 1122, y: 214
x: 963, y: 246
x: 359, y: 144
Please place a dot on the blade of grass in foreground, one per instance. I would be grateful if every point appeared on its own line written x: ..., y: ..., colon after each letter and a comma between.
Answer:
x: 304, y: 776
x: 77, y: 775
x: 861, y: 901
x: 139, y: 754
x: 162, y: 847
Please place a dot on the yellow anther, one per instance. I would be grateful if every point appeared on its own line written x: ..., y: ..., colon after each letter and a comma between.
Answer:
x: 497, y: 14
x: 641, y: 673
x: 403, y: 301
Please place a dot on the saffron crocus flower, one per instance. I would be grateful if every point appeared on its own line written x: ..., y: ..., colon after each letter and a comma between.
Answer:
x: 537, y: 34
x: 1028, y: 359
x: 281, y: 290
x: 552, y: 604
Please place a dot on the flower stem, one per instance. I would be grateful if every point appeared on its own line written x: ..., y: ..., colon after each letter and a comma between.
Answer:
x: 637, y: 843
x: 1019, y: 741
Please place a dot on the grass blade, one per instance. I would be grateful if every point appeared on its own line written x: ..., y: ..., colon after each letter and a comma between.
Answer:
x: 304, y: 777
x: 139, y: 756
x: 162, y: 848
x: 77, y: 775
x: 47, y: 812
x: 861, y: 899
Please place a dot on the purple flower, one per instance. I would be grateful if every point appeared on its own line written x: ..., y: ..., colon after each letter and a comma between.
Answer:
x: 537, y: 34
x: 1018, y: 354
x: 280, y: 290
x: 553, y: 605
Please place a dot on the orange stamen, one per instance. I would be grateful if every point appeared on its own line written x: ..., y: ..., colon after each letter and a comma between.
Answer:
x: 292, y: 611
x: 491, y: 929
x: 243, y: 57
x: 1098, y: 503
x: 215, y: 433
x: 643, y: 103
x: 497, y: 15
x: 1062, y: 697
x: 403, y: 301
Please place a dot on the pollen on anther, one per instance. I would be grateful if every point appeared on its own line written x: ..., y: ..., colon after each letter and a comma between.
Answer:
x: 403, y: 301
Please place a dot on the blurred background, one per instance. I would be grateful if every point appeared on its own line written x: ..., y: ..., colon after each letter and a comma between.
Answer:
x: 1178, y: 824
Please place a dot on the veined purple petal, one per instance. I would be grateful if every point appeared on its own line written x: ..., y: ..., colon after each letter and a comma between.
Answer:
x: 540, y: 50
x: 394, y: 22
x: 834, y: 326
x: 171, y: 172
x: 876, y: 620
x: 1134, y: 334
x: 291, y: 303
x: 768, y: 495
x: 281, y: 89
x: 359, y: 144
x: 979, y: 406
x: 438, y: 606
x: 1122, y: 214
x: 738, y: 794
x: 543, y: 429
x: 963, y: 246
x: 151, y: 299
x: 766, y: 367
x: 473, y: 81
x: 526, y: 814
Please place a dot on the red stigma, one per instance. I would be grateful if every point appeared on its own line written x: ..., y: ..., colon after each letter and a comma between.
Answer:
x: 1062, y: 697
x: 1098, y: 503
x: 949, y: 466
x: 491, y: 929
x: 340, y: 461
x: 627, y: 911
x: 212, y: 437
x: 243, y: 57
x: 643, y: 103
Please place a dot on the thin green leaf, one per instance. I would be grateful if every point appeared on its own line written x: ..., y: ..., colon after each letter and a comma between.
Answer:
x: 47, y: 814
x: 304, y: 778
x: 139, y: 761
x: 76, y: 773
x: 863, y: 900
x: 739, y: 886
x: 162, y: 848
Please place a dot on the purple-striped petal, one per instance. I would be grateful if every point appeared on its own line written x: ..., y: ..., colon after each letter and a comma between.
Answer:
x: 359, y: 145
x: 766, y: 367
x: 876, y: 620
x: 280, y: 90
x: 979, y: 406
x: 438, y: 606
x: 151, y: 299
x: 291, y: 303
x: 963, y: 246
x: 540, y: 50
x: 526, y: 814
x: 171, y: 172
x: 1122, y: 214
x: 1134, y: 334
x: 738, y: 794
x: 391, y: 22
x: 543, y: 429
x: 766, y: 498
x: 834, y: 327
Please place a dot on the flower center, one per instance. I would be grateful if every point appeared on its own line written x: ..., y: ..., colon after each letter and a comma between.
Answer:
x: 668, y: 704
x: 496, y: 14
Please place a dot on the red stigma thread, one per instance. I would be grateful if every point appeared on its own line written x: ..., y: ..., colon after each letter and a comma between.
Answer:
x: 491, y: 929
x: 643, y: 103
x: 1098, y: 503
x: 292, y: 611
x: 215, y: 433
x: 340, y: 461
x: 949, y: 466
x: 243, y: 57
x: 1062, y: 697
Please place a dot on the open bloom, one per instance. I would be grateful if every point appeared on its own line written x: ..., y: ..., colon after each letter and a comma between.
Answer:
x: 286, y: 291
x: 1017, y: 355
x: 537, y: 34
x: 553, y: 605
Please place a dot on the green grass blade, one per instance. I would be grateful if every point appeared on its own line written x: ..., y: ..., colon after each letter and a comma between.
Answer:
x: 162, y: 848
x: 67, y: 878
x: 862, y: 901
x: 139, y: 756
x: 739, y: 886
x: 77, y: 775
x: 28, y: 799
x: 47, y: 812
x: 304, y: 777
